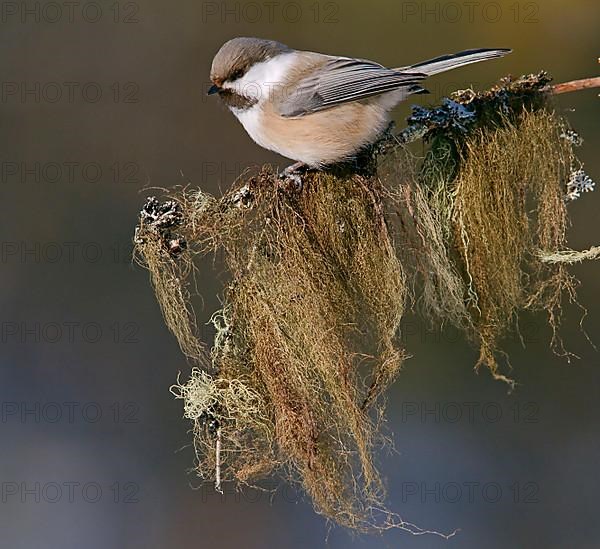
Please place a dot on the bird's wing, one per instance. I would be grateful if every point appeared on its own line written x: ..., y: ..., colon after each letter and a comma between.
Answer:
x: 340, y: 80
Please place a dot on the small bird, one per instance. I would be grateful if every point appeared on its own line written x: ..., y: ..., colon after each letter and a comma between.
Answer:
x: 313, y: 108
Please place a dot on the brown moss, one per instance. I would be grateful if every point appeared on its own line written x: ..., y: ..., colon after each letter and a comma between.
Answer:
x: 310, y: 329
x: 475, y: 216
x: 509, y: 203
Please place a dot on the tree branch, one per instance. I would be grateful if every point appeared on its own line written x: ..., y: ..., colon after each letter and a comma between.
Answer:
x: 575, y: 85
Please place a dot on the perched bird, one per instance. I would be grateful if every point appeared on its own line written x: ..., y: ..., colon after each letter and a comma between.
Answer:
x: 313, y: 108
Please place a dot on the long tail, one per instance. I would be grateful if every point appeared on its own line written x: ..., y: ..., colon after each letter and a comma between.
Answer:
x: 453, y: 61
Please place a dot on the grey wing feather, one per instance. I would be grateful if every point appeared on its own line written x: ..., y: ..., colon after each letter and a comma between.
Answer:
x: 343, y: 79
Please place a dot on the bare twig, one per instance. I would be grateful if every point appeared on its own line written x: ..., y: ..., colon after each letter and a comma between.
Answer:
x: 575, y: 85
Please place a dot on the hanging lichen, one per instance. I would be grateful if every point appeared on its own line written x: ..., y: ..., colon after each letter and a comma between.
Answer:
x: 309, y: 335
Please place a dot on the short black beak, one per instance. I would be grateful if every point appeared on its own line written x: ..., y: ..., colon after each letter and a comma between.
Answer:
x: 213, y: 89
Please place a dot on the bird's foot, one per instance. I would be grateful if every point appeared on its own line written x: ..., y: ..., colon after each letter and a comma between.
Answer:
x: 293, y: 174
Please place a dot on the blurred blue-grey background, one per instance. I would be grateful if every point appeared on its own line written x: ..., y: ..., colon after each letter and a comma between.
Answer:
x: 101, y: 100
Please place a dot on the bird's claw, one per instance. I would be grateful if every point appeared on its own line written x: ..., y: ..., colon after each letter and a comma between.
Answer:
x: 292, y: 174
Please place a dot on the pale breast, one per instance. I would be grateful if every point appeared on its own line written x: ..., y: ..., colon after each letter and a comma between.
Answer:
x: 252, y: 120
x: 320, y: 138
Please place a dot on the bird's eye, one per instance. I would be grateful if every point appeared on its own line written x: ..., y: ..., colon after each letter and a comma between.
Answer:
x: 237, y: 74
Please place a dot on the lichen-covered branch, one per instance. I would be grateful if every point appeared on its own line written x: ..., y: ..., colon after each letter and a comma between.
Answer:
x: 570, y: 256
x: 309, y: 336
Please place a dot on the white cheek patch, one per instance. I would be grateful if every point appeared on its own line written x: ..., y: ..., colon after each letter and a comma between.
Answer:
x: 263, y: 78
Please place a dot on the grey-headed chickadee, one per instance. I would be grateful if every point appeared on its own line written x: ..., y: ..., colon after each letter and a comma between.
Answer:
x: 313, y: 108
